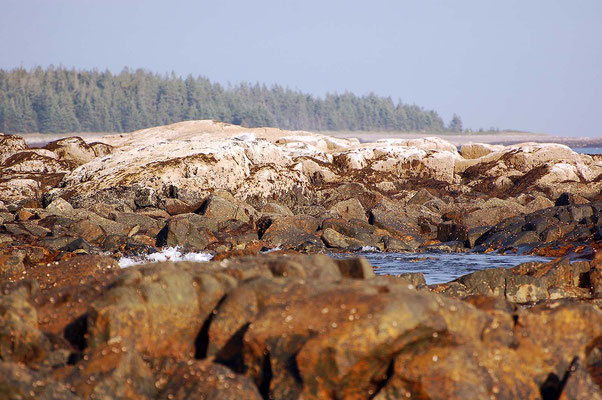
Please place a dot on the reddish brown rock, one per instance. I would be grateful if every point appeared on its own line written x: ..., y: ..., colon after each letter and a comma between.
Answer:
x: 159, y: 307
x: 207, y: 380
x: 20, y: 338
x: 112, y: 371
x: 19, y: 382
x: 438, y: 369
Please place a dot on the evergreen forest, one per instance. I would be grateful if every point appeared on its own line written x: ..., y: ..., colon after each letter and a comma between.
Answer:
x: 58, y: 100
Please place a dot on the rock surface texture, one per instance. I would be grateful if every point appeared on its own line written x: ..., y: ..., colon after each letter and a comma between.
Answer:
x: 298, y: 326
x: 74, y: 325
x: 213, y: 186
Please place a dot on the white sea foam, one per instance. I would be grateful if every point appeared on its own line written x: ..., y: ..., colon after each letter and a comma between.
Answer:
x: 271, y: 250
x: 166, y: 254
x: 369, y: 249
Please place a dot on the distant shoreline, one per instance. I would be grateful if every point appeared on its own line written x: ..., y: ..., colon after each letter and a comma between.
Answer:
x: 502, y: 137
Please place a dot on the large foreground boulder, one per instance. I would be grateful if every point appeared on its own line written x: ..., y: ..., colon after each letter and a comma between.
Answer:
x: 293, y: 326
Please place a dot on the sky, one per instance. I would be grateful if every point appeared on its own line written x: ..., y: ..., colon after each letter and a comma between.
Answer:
x: 530, y: 65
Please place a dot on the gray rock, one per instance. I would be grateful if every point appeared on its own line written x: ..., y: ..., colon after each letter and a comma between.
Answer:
x: 349, y: 209
x: 526, y: 237
x: 189, y: 230
x: 394, y: 244
x: 335, y: 240
x: 221, y: 209
x: 473, y: 235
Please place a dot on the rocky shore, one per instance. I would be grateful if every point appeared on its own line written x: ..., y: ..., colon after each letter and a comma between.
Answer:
x: 286, y: 325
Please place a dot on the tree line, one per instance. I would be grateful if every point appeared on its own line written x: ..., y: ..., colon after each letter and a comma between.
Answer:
x: 57, y: 100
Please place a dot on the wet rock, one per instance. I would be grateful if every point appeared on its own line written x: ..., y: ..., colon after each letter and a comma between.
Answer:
x: 529, y: 282
x: 454, y: 246
x: 370, y: 235
x: 287, y: 231
x: 474, y: 234
x: 334, y: 239
x: 451, y: 231
x: 526, y: 237
x: 349, y: 191
x: 236, y: 233
x: 207, y: 380
x: 115, y: 243
x: 539, y: 223
x: 410, y: 243
x: 55, y: 243
x: 189, y: 230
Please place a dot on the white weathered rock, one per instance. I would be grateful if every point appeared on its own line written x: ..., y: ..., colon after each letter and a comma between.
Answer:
x: 472, y: 151
x: 426, y: 143
x: 196, y: 158
x: 11, y: 144
x: 17, y: 189
x: 73, y: 149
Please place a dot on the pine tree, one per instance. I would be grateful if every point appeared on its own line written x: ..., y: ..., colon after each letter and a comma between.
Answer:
x: 455, y: 125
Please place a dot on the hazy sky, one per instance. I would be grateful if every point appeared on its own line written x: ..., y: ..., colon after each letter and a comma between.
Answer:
x: 525, y: 64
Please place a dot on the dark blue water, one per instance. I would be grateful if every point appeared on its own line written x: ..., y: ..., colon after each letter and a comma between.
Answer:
x: 437, y: 267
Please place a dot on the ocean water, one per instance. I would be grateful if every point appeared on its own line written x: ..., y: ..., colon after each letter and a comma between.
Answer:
x: 439, y: 267
x: 436, y: 267
x: 588, y: 150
